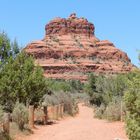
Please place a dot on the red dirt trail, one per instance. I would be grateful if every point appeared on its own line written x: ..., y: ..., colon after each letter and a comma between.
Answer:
x: 81, y: 127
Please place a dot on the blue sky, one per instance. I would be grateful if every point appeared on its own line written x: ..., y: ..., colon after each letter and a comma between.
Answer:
x: 115, y: 20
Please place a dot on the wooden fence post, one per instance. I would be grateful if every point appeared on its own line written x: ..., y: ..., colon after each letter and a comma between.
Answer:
x: 62, y: 110
x: 59, y: 110
x: 121, y: 112
x: 45, y: 115
x: 6, y: 123
x: 55, y: 112
x: 31, y: 116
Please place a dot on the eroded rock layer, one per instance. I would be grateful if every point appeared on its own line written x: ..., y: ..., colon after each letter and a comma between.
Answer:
x: 70, y: 50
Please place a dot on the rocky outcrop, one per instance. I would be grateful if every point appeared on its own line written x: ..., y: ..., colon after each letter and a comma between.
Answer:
x: 71, y: 25
x: 70, y: 50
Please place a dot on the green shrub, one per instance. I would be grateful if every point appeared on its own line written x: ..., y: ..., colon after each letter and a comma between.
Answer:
x: 20, y: 115
x: 99, y: 111
x: 133, y: 127
x: 102, y: 89
x: 132, y: 102
x: 50, y: 100
x: 21, y: 80
x: 70, y: 105
x: 81, y: 97
x: 58, y: 85
x: 60, y: 97
x: 113, y: 111
x: 64, y: 85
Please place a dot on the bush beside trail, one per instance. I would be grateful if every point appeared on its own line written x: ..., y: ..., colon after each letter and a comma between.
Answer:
x: 116, y: 98
x: 132, y: 102
x: 20, y: 115
x: 106, y: 94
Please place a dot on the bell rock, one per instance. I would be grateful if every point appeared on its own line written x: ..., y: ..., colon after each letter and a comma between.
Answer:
x: 70, y: 50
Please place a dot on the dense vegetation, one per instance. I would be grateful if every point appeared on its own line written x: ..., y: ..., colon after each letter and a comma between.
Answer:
x: 117, y: 98
x: 132, y: 102
x: 68, y: 92
x: 114, y: 97
x: 21, y: 81
x: 106, y: 94
x: 23, y: 84
x: 66, y: 86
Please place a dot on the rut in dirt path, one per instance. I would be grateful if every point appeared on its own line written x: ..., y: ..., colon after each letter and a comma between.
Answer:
x: 81, y: 127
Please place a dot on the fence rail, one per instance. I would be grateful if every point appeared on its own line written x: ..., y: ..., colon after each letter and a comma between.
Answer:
x: 49, y: 113
x: 45, y: 114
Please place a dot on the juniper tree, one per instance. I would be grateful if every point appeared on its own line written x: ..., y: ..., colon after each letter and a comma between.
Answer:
x: 22, y: 81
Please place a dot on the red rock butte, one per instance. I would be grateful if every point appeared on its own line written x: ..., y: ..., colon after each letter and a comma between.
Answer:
x: 70, y: 50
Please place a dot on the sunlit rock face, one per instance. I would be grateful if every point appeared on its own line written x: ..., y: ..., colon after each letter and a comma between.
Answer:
x: 71, y: 25
x: 70, y: 50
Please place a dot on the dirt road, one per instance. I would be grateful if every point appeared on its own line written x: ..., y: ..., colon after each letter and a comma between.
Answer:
x: 81, y: 127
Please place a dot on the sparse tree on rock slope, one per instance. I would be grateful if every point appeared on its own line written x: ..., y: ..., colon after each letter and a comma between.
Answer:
x: 22, y: 81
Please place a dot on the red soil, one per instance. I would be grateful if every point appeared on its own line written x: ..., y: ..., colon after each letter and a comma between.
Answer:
x: 81, y: 127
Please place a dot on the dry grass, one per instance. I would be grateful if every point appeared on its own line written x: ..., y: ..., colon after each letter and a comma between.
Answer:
x: 14, y: 131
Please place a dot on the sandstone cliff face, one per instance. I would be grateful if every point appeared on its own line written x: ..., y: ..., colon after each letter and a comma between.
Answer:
x: 70, y: 50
